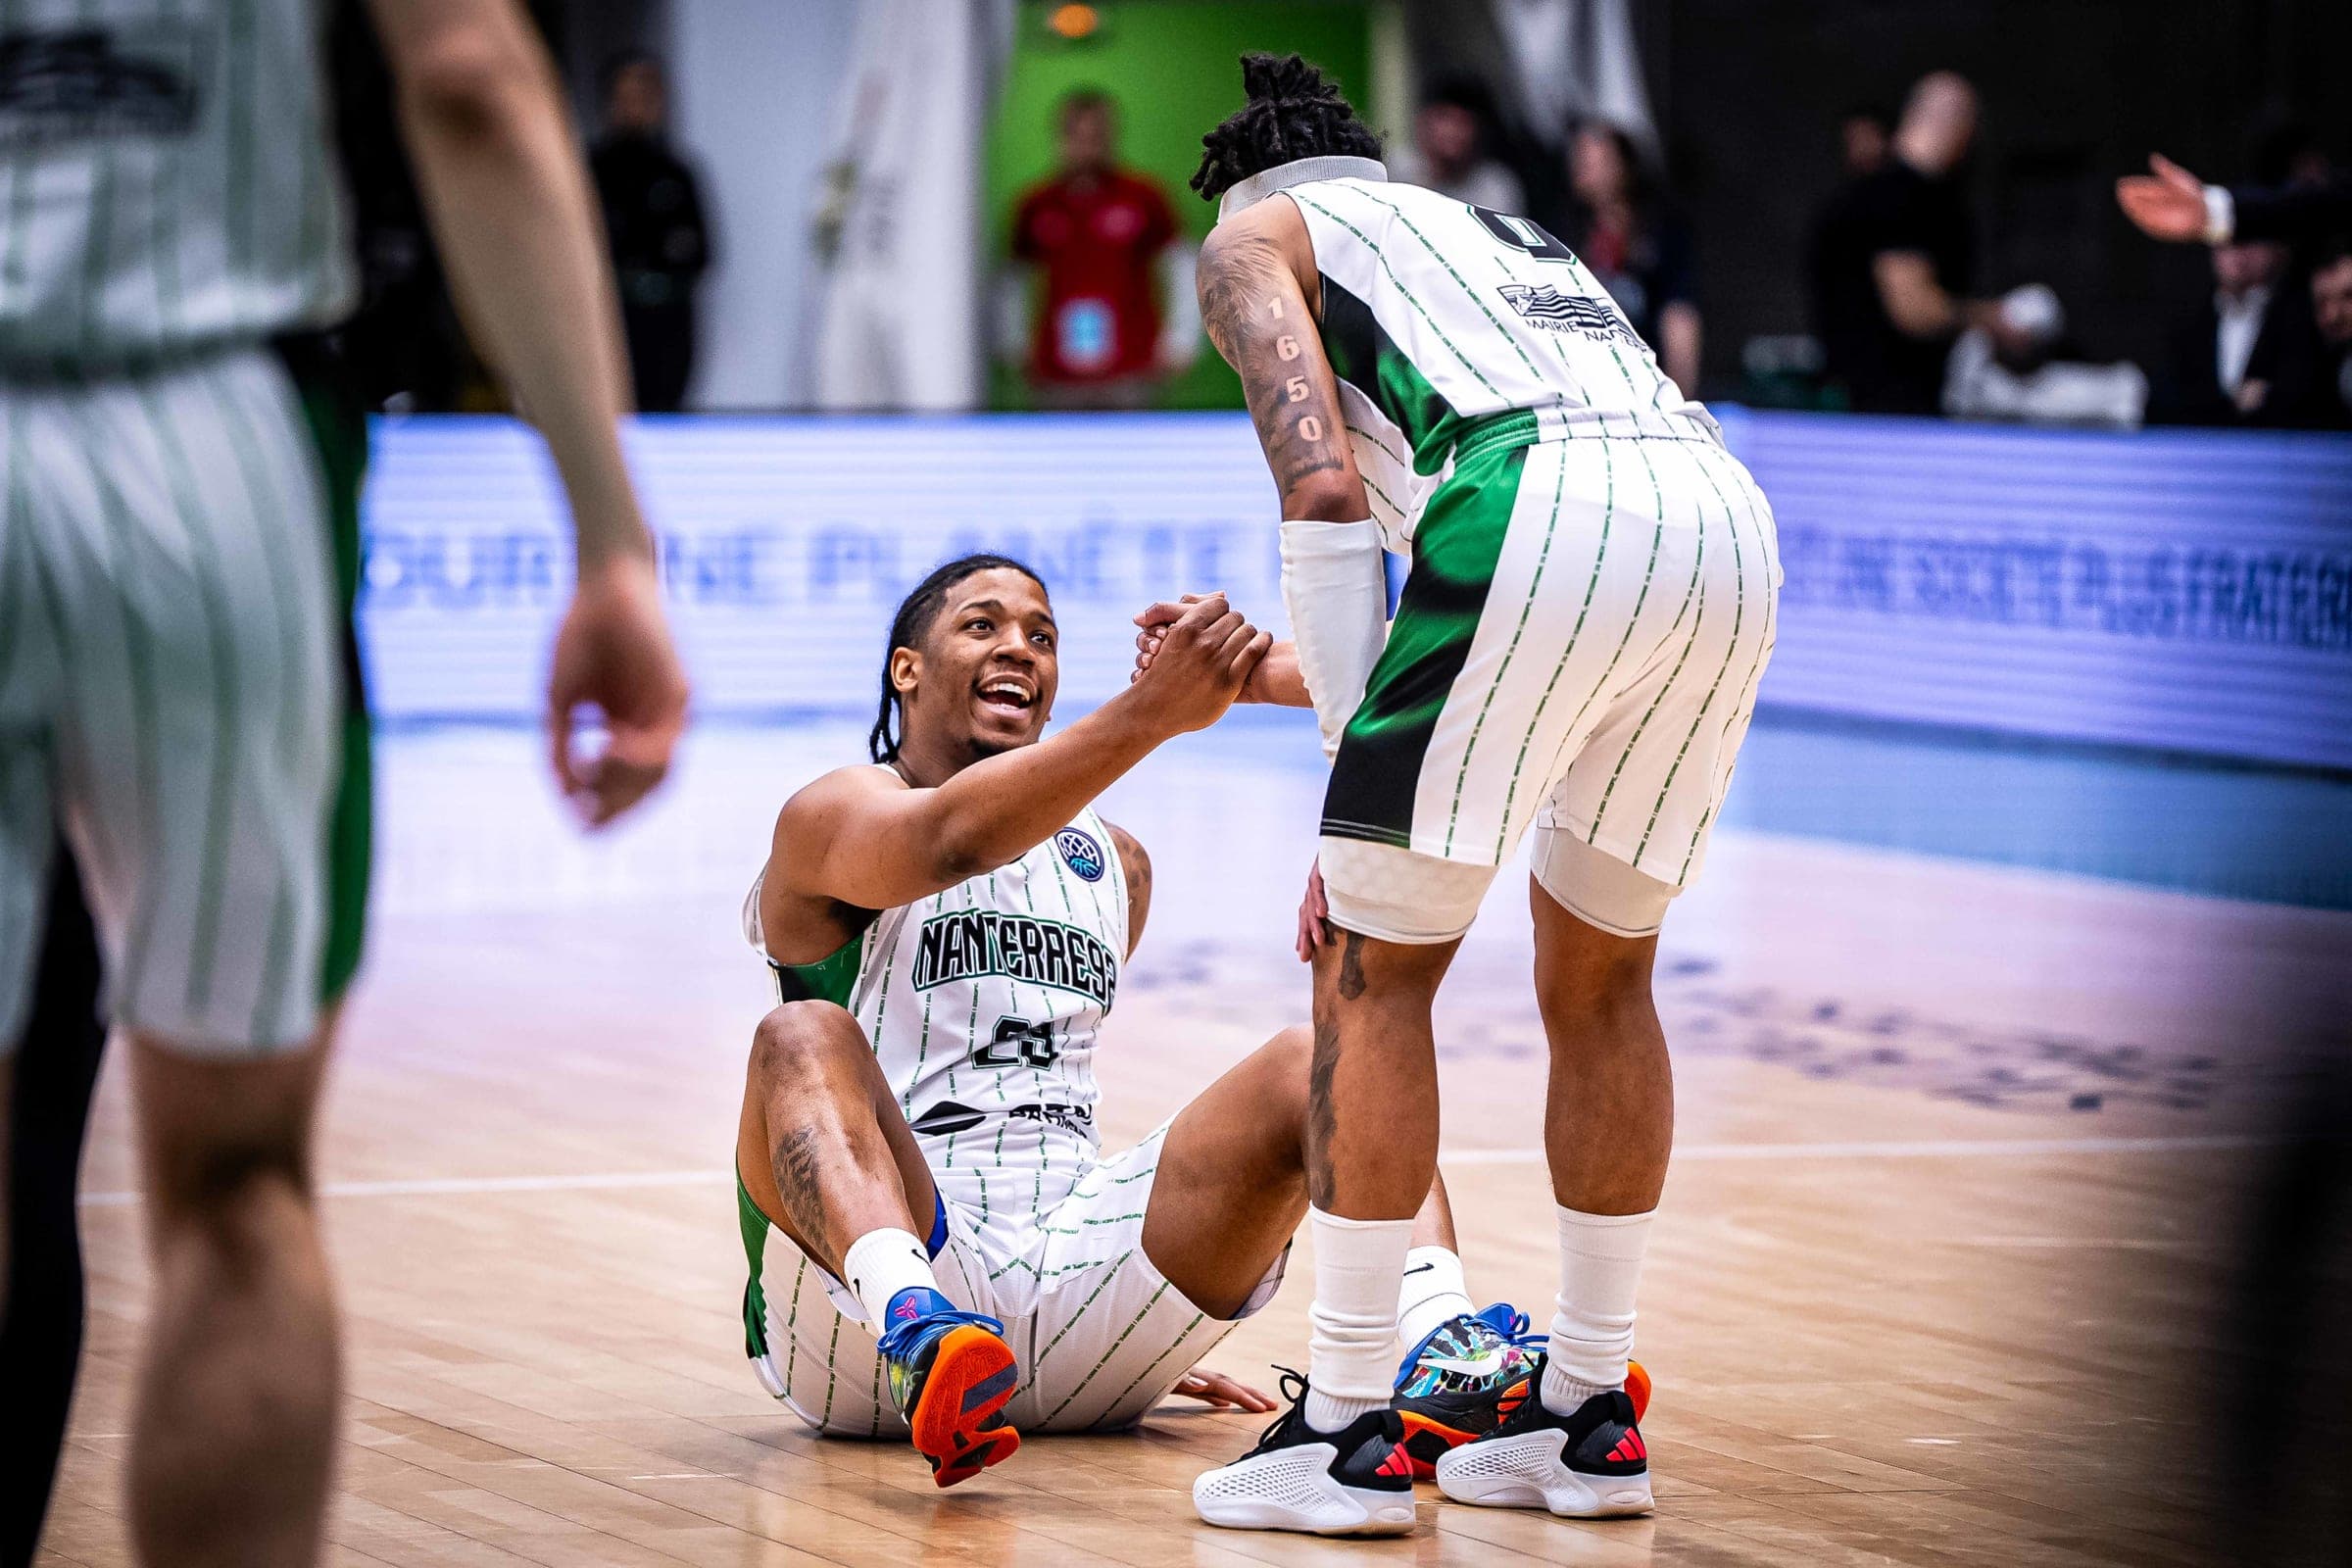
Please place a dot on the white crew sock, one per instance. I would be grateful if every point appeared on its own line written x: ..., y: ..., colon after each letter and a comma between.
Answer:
x: 1592, y: 1330
x: 879, y: 1266
x: 1433, y: 1293
x: 1352, y: 1326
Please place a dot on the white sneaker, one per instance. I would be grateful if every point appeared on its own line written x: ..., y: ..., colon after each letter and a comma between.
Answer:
x: 1353, y: 1481
x: 1589, y: 1465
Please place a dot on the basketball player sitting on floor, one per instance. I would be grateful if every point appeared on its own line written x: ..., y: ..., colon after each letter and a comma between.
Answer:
x: 918, y: 1155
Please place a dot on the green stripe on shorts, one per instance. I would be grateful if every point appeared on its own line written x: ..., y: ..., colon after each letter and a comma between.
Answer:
x: 338, y: 429
x: 1378, y: 771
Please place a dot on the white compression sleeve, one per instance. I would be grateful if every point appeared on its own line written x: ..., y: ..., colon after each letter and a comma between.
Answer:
x: 1336, y: 587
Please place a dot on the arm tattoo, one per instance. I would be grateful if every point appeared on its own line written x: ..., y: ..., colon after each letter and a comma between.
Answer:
x: 1252, y: 308
x: 1136, y: 867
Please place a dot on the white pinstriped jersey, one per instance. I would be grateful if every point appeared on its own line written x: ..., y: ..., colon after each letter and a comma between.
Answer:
x: 1440, y: 317
x: 166, y: 178
x: 984, y: 1005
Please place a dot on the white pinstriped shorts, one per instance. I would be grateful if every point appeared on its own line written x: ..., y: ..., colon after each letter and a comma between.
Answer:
x: 1577, y: 651
x: 170, y: 691
x: 1099, y: 1336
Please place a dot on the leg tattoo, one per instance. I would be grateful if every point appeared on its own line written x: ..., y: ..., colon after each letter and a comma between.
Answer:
x: 1320, y: 1120
x: 1351, y: 968
x: 797, y: 1184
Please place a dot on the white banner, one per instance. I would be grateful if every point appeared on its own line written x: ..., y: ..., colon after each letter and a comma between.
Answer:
x: 2186, y: 592
x: 787, y: 544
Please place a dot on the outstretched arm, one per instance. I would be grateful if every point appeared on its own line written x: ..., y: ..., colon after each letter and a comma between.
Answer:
x: 516, y: 221
x: 863, y: 837
x: 1256, y: 313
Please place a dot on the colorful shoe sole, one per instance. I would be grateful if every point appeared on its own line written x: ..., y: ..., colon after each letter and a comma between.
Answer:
x: 1426, y: 1440
x: 956, y: 1422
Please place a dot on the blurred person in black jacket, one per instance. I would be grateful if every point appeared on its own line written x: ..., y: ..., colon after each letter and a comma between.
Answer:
x: 1895, y: 266
x: 2246, y: 354
x: 653, y: 218
x: 2327, y: 405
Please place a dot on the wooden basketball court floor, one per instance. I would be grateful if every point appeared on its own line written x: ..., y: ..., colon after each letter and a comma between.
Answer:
x: 1933, y: 1284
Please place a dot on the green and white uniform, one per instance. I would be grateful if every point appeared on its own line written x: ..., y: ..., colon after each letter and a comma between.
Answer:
x: 985, y: 1005
x: 169, y: 681
x: 1590, y: 607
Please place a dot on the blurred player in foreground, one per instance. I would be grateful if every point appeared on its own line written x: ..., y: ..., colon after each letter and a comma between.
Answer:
x: 948, y: 928
x: 168, y: 682
x: 1575, y: 651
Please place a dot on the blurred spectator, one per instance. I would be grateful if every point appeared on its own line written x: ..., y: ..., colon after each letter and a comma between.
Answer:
x: 654, y: 219
x: 1106, y: 243
x: 2245, y: 355
x: 2027, y: 376
x: 1893, y: 274
x: 1450, y: 154
x: 2328, y: 403
x: 1864, y: 135
x: 1636, y: 246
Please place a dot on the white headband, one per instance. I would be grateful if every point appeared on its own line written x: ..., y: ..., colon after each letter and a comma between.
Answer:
x: 1297, y: 171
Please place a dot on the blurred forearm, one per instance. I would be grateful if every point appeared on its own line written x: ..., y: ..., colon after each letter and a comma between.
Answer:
x: 510, y: 208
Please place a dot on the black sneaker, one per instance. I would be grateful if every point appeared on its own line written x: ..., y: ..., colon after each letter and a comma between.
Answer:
x: 1591, y: 1464
x: 1353, y: 1481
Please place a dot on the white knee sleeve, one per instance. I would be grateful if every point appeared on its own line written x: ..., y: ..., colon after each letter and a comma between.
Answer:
x: 1593, y: 885
x: 1394, y: 894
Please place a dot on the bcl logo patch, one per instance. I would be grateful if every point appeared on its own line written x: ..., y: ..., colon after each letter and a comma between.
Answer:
x: 1080, y: 853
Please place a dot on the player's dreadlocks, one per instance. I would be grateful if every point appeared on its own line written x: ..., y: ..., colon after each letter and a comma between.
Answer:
x: 1294, y: 112
x: 912, y: 624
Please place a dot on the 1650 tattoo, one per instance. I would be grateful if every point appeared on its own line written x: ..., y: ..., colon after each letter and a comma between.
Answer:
x: 1251, y: 309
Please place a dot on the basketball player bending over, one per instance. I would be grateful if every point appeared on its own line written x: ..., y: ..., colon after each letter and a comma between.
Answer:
x: 1576, y: 649
x: 918, y: 1155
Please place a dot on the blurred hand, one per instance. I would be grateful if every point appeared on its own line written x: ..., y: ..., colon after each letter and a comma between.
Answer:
x: 1221, y: 1392
x: 614, y: 656
x: 2167, y: 204
x: 1194, y: 671
x: 1314, y: 915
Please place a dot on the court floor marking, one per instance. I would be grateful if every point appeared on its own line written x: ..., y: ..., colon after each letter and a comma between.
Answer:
x: 1925, y: 1148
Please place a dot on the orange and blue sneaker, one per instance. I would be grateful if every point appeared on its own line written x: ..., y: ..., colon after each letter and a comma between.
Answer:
x: 951, y: 1375
x: 1467, y: 1376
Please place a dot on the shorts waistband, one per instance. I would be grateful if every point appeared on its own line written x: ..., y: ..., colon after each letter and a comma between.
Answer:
x: 1524, y: 428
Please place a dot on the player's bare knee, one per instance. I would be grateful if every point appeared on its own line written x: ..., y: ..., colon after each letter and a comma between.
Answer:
x: 1601, y: 983
x: 233, y: 1199
x: 800, y: 1040
x: 1290, y: 1057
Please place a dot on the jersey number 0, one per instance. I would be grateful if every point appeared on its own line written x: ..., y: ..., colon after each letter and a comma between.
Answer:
x: 1523, y: 234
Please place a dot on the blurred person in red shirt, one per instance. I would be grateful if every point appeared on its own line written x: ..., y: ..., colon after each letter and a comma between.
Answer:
x: 1106, y: 245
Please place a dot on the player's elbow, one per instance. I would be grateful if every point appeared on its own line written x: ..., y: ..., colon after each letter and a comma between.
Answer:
x: 1329, y: 495
x: 468, y: 82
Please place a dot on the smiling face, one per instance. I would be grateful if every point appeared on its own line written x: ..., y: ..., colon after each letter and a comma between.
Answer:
x: 982, y: 681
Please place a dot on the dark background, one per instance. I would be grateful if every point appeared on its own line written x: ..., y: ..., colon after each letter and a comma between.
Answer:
x: 1748, y: 96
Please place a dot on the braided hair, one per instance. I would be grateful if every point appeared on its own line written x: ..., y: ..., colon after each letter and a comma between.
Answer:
x: 911, y: 624
x: 1294, y: 112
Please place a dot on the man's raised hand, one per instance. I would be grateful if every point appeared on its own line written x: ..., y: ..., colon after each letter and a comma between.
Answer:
x: 2168, y: 203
